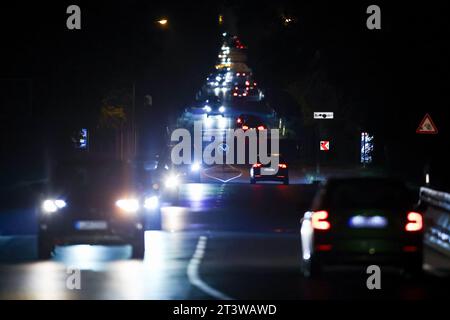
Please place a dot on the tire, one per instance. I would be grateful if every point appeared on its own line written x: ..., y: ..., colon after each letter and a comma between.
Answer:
x: 45, y: 247
x: 252, y: 181
x: 138, y: 247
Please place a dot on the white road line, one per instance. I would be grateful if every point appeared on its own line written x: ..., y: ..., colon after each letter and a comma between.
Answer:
x: 222, y: 180
x: 193, y: 272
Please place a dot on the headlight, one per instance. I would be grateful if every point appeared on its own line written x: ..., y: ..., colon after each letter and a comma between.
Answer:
x: 222, y: 109
x: 207, y: 108
x: 195, y: 167
x: 52, y: 205
x: 172, y: 181
x: 151, y: 203
x: 128, y: 205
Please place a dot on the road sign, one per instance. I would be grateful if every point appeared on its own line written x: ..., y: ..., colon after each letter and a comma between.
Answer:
x: 325, y: 145
x: 323, y: 115
x: 427, y: 126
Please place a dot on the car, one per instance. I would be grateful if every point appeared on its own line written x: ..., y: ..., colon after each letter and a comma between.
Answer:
x: 264, y: 172
x: 95, y: 201
x: 213, y: 106
x: 239, y: 91
x: 248, y: 122
x: 361, y: 221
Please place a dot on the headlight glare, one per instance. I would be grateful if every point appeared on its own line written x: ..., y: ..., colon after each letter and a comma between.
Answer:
x: 151, y: 203
x: 51, y: 205
x: 128, y: 205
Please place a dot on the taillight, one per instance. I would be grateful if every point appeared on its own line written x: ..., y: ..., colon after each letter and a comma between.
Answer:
x: 415, y: 221
x: 239, y: 120
x: 244, y: 127
x: 282, y: 166
x: 319, y: 220
x: 257, y: 165
x: 261, y: 128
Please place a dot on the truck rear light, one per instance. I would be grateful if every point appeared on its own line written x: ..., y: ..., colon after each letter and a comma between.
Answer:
x: 282, y: 166
x: 415, y: 222
x: 319, y: 220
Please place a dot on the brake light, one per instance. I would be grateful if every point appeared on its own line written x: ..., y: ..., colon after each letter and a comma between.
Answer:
x: 319, y: 220
x: 415, y: 222
x: 247, y: 83
x: 282, y: 166
x: 244, y: 127
x: 261, y: 128
x: 235, y: 94
x: 257, y: 165
x: 238, y: 74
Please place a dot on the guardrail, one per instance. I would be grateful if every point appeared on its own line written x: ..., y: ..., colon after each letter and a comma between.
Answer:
x: 436, y: 206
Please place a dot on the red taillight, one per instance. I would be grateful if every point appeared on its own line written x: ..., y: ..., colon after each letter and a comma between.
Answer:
x: 235, y: 94
x: 261, y: 128
x: 257, y: 165
x: 239, y: 120
x: 415, y: 221
x: 247, y: 83
x: 238, y: 74
x: 244, y: 127
x: 319, y: 220
x: 282, y: 166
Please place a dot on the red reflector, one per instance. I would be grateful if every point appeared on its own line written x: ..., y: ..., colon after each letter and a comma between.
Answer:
x: 319, y: 220
x: 282, y: 165
x: 415, y: 222
x: 324, y: 247
x: 409, y: 248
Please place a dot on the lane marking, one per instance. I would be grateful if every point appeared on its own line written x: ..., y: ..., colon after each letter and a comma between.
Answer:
x: 222, y: 180
x: 193, y: 272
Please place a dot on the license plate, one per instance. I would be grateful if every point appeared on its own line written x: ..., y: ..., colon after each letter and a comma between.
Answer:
x: 268, y: 171
x: 374, y: 222
x: 91, y: 225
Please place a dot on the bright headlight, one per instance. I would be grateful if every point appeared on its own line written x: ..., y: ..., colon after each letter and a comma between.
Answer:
x: 207, y: 108
x: 128, y: 205
x: 51, y: 205
x: 195, y: 167
x: 151, y: 203
x: 172, y: 181
x: 222, y: 109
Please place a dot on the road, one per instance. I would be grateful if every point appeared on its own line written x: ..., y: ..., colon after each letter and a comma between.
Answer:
x: 222, y: 241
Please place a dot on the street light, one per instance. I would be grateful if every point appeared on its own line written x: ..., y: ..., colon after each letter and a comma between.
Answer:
x: 163, y: 21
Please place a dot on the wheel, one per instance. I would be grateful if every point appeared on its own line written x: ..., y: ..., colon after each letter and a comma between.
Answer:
x: 286, y: 181
x: 252, y: 181
x: 45, y: 247
x: 138, y: 247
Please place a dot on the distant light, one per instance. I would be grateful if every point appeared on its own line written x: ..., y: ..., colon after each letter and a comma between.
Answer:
x: 427, y: 178
x: 224, y: 34
x: 222, y: 109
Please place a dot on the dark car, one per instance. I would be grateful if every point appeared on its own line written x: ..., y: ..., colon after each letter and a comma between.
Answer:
x: 248, y: 122
x: 95, y: 202
x: 362, y: 221
x: 265, y: 172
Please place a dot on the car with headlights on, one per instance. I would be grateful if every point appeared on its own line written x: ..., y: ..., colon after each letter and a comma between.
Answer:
x: 359, y: 221
x: 213, y: 106
x: 95, y: 201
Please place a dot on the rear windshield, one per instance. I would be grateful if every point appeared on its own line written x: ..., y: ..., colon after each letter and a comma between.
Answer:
x: 368, y: 193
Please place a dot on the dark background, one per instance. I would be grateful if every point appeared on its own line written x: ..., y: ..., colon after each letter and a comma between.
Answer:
x: 384, y: 81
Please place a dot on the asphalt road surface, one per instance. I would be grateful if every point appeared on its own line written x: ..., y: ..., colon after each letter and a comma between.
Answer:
x: 221, y: 240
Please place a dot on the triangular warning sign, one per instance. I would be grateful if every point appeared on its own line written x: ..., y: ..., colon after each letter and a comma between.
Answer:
x: 427, y: 126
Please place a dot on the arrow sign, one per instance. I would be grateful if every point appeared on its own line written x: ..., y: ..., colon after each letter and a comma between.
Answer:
x: 427, y: 126
x: 324, y: 145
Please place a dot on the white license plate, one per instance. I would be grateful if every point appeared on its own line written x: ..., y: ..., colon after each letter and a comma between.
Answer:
x: 91, y: 225
x: 268, y: 171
